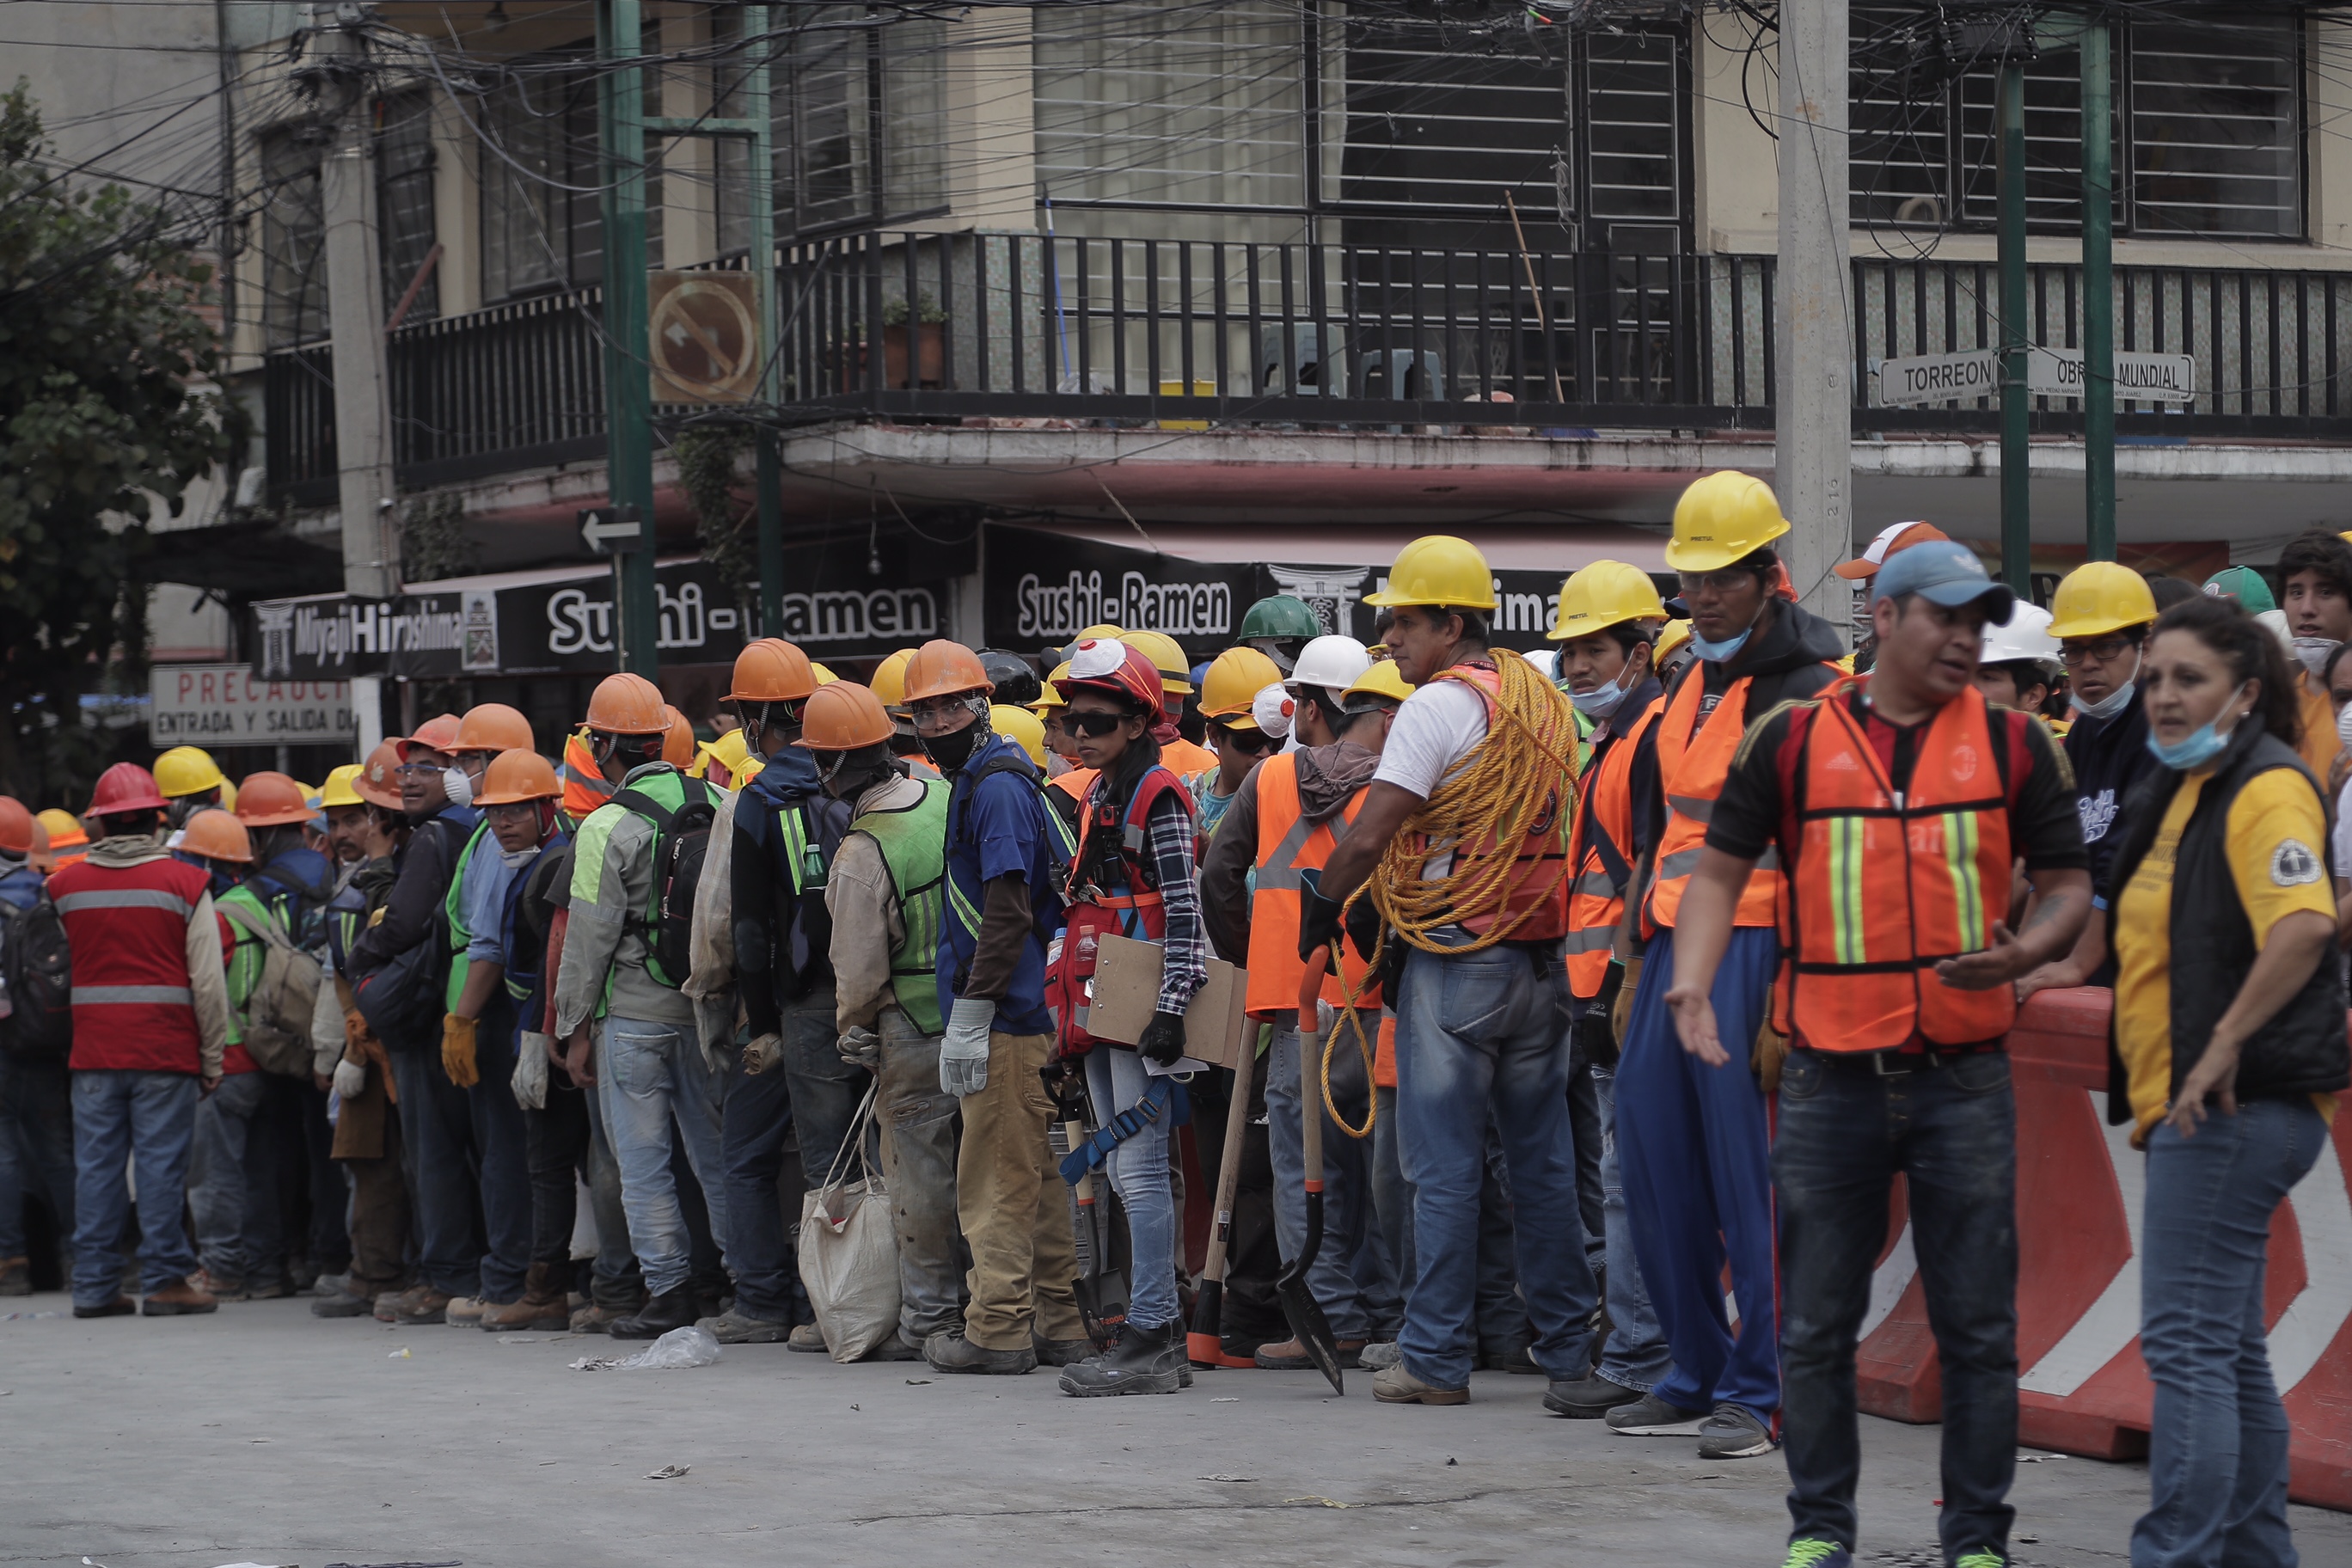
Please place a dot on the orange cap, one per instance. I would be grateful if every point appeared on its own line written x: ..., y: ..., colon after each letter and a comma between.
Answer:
x: 1892, y: 539
x: 844, y: 717
x: 438, y: 733
x: 627, y: 704
x: 16, y: 826
x: 492, y: 727
x: 677, y: 738
x: 515, y: 777
x: 378, y: 783
x: 940, y: 668
x: 771, y: 670
x: 217, y: 835
x: 271, y: 800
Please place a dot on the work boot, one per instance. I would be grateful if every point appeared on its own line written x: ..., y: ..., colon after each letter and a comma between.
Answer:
x: 421, y: 1304
x: 1290, y: 1355
x: 1395, y: 1386
x: 1145, y: 1361
x: 218, y: 1287
x: 541, y: 1305
x: 465, y: 1310
x: 179, y: 1300
x: 16, y: 1276
x: 1650, y: 1416
x: 807, y: 1337
x: 386, y: 1307
x: 893, y: 1349
x: 670, y: 1309
x: 269, y: 1289
x: 597, y: 1318
x: 1734, y: 1432
x: 949, y: 1351
x: 1378, y: 1357
x: 736, y: 1327
x: 1051, y: 1353
x: 340, y: 1300
x: 1520, y: 1359
x: 1586, y: 1398
x: 121, y: 1307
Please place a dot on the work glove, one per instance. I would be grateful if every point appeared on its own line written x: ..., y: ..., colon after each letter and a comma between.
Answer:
x: 762, y: 1053
x: 351, y: 1081
x: 1363, y: 919
x: 1163, y: 1038
x: 458, y: 1050
x: 530, y: 1080
x: 860, y: 1048
x: 964, y: 1054
x: 1318, y: 919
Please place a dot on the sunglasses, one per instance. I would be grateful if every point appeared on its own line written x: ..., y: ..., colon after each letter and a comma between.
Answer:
x: 1075, y: 724
x: 1249, y: 741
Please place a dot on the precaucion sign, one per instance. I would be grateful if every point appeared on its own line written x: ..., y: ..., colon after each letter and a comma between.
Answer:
x: 2048, y: 372
x: 227, y: 705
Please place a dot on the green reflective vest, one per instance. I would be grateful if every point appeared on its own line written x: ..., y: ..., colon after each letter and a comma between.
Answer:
x: 453, y: 910
x: 914, y: 844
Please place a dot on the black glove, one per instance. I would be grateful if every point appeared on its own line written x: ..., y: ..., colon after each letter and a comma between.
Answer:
x: 1319, y: 918
x: 1364, y: 928
x: 1163, y: 1038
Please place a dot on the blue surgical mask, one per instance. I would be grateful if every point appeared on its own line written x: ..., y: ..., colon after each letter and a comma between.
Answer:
x: 2200, y: 747
x: 1717, y: 652
x: 2107, y: 707
x: 1600, y: 702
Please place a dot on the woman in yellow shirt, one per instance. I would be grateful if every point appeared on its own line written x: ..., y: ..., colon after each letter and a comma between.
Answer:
x: 2229, y: 1034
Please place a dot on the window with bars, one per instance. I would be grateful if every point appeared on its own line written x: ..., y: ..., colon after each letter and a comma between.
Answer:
x: 293, y: 237
x: 403, y: 200
x: 859, y: 107
x: 2208, y: 134
x: 542, y: 183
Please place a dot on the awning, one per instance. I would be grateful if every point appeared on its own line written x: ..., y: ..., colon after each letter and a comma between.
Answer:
x: 1554, y: 548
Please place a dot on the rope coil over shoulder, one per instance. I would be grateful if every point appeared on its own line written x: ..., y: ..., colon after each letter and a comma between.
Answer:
x: 1095, y: 1152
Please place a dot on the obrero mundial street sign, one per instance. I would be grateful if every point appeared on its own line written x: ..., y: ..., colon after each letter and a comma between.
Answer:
x: 2048, y: 372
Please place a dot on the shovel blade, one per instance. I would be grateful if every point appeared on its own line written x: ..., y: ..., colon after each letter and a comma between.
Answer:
x: 1304, y: 1313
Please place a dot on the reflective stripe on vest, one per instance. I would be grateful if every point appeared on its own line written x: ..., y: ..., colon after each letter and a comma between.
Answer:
x: 453, y: 910
x: 1600, y: 851
x: 913, y: 840
x: 1286, y: 845
x: 1534, y: 906
x: 1886, y: 886
x: 1693, y: 758
x: 125, y: 899
x: 120, y: 995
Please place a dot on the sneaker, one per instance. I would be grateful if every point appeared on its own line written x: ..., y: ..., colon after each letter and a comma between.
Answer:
x: 1380, y: 1357
x: 1395, y: 1386
x: 1982, y: 1558
x: 736, y: 1327
x: 949, y: 1351
x: 1814, y: 1552
x: 1051, y: 1353
x: 121, y: 1307
x: 1290, y: 1355
x: 179, y: 1300
x: 810, y: 1338
x: 1589, y: 1398
x: 466, y: 1310
x: 1650, y: 1416
x: 420, y: 1304
x: 16, y: 1276
x: 219, y: 1287
x: 1734, y: 1432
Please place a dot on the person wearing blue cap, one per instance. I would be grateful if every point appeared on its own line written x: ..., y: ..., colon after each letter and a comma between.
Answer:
x: 1897, y: 801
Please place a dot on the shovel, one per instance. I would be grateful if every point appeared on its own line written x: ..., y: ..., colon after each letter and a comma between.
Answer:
x: 1205, y: 1344
x: 1307, y: 1323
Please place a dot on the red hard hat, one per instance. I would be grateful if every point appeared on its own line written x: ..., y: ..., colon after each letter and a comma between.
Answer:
x: 125, y: 786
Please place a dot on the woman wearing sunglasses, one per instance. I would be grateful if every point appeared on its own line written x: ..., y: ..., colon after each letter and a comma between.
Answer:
x: 1228, y: 692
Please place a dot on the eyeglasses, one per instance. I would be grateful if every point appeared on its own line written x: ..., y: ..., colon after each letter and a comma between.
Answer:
x: 511, y: 810
x: 436, y: 769
x: 1091, y: 723
x: 1727, y: 581
x: 2102, y: 650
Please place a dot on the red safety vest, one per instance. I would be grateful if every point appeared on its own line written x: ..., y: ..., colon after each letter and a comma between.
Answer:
x: 1535, y: 896
x: 128, y: 927
x: 1131, y: 907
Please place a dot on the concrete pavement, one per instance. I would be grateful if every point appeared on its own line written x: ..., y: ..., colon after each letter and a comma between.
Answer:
x: 263, y: 1435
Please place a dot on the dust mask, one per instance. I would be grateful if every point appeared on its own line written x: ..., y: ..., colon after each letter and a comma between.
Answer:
x: 458, y: 786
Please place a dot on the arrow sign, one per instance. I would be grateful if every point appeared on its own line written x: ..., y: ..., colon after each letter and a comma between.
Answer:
x: 606, y: 529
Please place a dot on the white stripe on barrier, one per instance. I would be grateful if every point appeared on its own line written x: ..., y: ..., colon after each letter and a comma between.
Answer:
x: 1889, y: 1281
x: 2322, y: 1212
x: 2103, y: 1332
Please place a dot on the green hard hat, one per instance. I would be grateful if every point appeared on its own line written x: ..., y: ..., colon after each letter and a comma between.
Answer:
x: 1280, y: 616
x: 2244, y: 584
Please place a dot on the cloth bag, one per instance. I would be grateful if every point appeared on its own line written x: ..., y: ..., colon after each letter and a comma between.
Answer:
x: 849, y: 1249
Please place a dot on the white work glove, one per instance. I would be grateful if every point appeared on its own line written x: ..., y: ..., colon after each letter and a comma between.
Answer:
x: 1326, y: 1016
x: 530, y: 1080
x: 764, y: 1053
x: 964, y: 1054
x: 351, y: 1081
x: 860, y: 1048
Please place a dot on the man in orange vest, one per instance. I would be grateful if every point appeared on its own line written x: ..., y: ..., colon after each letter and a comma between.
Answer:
x: 1897, y: 801
x: 1692, y: 1140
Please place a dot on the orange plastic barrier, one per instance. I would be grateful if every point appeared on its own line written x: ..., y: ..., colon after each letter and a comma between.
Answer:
x: 2083, y: 1388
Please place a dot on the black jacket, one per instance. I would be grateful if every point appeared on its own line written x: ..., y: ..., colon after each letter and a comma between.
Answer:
x: 2302, y: 1050
x: 1787, y: 657
x: 2110, y: 757
x: 412, y: 913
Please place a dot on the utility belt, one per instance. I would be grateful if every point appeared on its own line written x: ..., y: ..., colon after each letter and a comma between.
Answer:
x: 1902, y: 1060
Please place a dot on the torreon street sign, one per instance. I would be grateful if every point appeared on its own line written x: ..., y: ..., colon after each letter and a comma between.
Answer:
x: 2048, y: 372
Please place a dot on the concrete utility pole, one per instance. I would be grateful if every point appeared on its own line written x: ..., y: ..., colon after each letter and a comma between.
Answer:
x: 1812, y: 395
x: 355, y: 316
x: 628, y: 384
x: 2016, y: 345
x: 2098, y: 293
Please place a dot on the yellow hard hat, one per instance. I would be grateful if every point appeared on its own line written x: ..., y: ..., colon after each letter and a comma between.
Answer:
x: 823, y: 675
x: 228, y: 796
x: 2098, y: 597
x: 1235, y: 678
x: 1021, y: 726
x: 1166, y: 657
x: 728, y: 750
x: 1603, y: 595
x: 1051, y: 696
x: 889, y: 682
x: 187, y: 770
x: 65, y: 828
x: 1438, y: 570
x: 1675, y: 634
x: 337, y: 791
x: 1383, y: 679
x: 1723, y: 518
x: 1103, y: 629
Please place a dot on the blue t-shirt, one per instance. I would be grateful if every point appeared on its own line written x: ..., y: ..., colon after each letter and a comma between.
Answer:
x: 995, y: 829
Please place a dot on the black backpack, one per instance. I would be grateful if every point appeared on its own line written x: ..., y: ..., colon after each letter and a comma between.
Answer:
x: 681, y: 843
x: 38, y: 967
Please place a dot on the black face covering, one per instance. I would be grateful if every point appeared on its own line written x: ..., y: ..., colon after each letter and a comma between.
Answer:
x: 952, y: 750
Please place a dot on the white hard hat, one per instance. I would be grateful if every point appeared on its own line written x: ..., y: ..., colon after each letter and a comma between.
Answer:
x: 2027, y: 636
x: 1332, y: 661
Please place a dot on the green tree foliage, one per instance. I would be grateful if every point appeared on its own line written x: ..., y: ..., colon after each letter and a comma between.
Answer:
x: 706, y: 457
x: 105, y: 409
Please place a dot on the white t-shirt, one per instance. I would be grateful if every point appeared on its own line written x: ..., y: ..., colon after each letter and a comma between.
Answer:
x: 1432, y: 736
x: 2344, y: 832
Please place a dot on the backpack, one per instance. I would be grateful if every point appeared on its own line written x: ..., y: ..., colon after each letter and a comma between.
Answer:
x: 277, y: 1017
x: 681, y: 844
x: 38, y: 966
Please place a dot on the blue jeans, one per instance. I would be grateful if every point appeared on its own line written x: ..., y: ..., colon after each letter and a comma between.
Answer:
x: 1696, y: 1163
x: 1499, y: 1318
x: 919, y: 1159
x: 618, y: 1281
x: 652, y: 1076
x: 2218, y: 1447
x: 1635, y: 1356
x: 1115, y: 1080
x: 436, y: 1131
x: 232, y: 1185
x: 825, y: 1091
x: 36, y: 1147
x: 121, y: 1116
x: 1483, y: 1035
x: 757, y: 1113
x: 1844, y: 1132
x: 504, y: 1148
x: 1351, y: 1278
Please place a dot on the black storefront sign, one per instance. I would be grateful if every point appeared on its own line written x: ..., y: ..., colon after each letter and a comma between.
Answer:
x: 1526, y: 603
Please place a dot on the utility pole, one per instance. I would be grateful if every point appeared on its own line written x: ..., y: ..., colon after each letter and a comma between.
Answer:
x: 2016, y: 493
x: 364, y: 491
x: 768, y: 473
x: 628, y: 382
x: 2098, y: 295
x: 1812, y: 395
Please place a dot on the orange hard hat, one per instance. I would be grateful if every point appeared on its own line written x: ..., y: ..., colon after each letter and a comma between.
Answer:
x: 844, y: 717
x: 438, y: 733
x: 217, y: 835
x: 942, y: 668
x: 492, y: 727
x: 677, y: 738
x: 15, y: 826
x: 627, y: 704
x: 378, y: 783
x: 271, y: 800
x: 771, y: 670
x: 517, y: 775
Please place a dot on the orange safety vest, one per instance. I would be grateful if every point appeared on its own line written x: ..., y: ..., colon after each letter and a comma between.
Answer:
x: 585, y: 787
x: 1286, y: 847
x: 1693, y: 758
x: 1887, y: 884
x: 1601, y: 850
x: 1538, y: 886
x: 1181, y: 757
x: 1075, y: 783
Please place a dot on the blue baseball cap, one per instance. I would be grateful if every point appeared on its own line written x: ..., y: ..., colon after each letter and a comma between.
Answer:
x: 1946, y: 573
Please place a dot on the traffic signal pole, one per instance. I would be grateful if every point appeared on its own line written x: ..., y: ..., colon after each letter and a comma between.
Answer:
x: 2098, y: 296
x: 2016, y: 494
x: 628, y: 385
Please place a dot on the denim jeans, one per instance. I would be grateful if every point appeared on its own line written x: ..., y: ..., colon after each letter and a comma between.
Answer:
x: 2218, y: 1447
x: 1481, y: 1037
x: 504, y: 1147
x: 313, y: 1152
x: 1844, y: 1132
x: 825, y: 1091
x: 754, y: 1121
x: 1635, y: 1356
x: 652, y: 1077
x: 1352, y: 1278
x: 1116, y: 1080
x: 124, y: 1116
x: 232, y: 1186
x: 1584, y: 1116
x: 436, y: 1130
x: 1499, y: 1317
x: 36, y: 1147
x: 919, y: 1160
x: 618, y: 1281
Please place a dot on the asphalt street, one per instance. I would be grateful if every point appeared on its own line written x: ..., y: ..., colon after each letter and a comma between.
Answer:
x: 261, y: 1435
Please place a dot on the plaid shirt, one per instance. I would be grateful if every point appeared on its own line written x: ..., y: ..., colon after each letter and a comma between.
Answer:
x: 1184, y: 954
